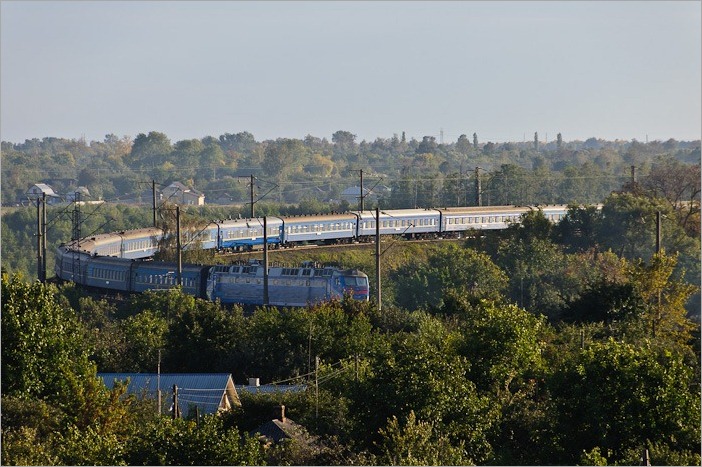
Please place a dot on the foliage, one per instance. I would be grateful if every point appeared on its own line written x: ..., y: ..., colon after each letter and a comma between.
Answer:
x: 503, y: 343
x: 415, y: 443
x: 619, y: 396
x: 185, y: 442
x: 423, y: 373
x: 424, y: 283
x: 39, y: 334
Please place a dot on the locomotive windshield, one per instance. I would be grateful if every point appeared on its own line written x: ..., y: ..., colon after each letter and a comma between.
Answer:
x: 356, y: 280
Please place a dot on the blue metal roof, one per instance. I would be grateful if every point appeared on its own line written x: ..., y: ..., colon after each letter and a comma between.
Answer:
x: 210, y: 392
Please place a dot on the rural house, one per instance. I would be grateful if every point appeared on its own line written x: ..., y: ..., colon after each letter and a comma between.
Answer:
x: 37, y: 191
x: 178, y: 193
x: 209, y: 392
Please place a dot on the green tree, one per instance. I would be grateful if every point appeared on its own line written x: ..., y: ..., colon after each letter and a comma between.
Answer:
x: 281, y: 154
x: 43, y: 345
x: 415, y: 443
x: 344, y: 142
x: 463, y: 145
x: 664, y: 295
x: 145, y: 334
x: 423, y: 373
x: 149, y: 148
x: 578, y: 230
x: 617, y: 396
x: 203, y: 337
x: 185, y: 442
x: 425, y: 283
x: 504, y: 343
x: 679, y: 184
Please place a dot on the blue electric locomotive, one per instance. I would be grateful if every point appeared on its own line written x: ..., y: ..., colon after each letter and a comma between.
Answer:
x: 299, y: 286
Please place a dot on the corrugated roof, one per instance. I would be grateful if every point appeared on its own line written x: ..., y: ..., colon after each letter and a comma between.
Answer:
x: 44, y: 188
x: 209, y: 391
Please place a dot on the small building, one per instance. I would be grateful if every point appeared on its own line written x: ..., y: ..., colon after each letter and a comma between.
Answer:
x: 38, y: 190
x: 353, y: 196
x: 178, y: 193
x: 225, y: 199
x: 209, y: 392
x: 81, y: 193
x: 281, y: 428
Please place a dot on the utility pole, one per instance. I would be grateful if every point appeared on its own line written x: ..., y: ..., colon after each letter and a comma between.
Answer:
x: 43, y: 237
x: 658, y: 231
x: 377, y: 259
x: 153, y: 199
x: 265, y: 261
x: 478, y: 188
x: 179, y: 247
x: 176, y: 409
x: 645, y: 459
x: 158, y: 382
x: 633, y: 174
x: 40, y: 259
x: 252, y: 196
x: 76, y: 234
x: 360, y: 202
x: 316, y: 386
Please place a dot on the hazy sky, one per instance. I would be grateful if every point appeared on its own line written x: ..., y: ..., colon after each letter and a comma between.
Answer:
x: 287, y: 69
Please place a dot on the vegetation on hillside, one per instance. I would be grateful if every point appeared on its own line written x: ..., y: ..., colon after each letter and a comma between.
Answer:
x: 573, y: 343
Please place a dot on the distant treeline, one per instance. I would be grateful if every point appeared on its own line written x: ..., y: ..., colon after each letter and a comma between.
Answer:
x: 402, y: 172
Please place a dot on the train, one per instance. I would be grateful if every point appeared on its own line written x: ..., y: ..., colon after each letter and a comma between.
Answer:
x: 229, y: 284
x: 122, y: 261
x: 288, y: 231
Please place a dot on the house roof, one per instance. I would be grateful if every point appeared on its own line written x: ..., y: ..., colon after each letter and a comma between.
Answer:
x: 356, y: 191
x: 71, y: 192
x: 210, y: 392
x: 178, y: 186
x: 277, y: 430
x: 281, y: 428
x: 44, y: 188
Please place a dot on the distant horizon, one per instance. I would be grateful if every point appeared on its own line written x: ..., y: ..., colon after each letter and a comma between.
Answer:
x: 617, y: 70
x: 359, y: 140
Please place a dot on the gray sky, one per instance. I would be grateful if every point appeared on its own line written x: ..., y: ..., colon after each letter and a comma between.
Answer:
x: 287, y: 69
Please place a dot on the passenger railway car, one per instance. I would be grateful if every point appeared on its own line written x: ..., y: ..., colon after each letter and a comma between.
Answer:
x: 138, y: 243
x: 243, y: 234
x: 286, y: 231
x: 320, y: 228
x: 407, y: 222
